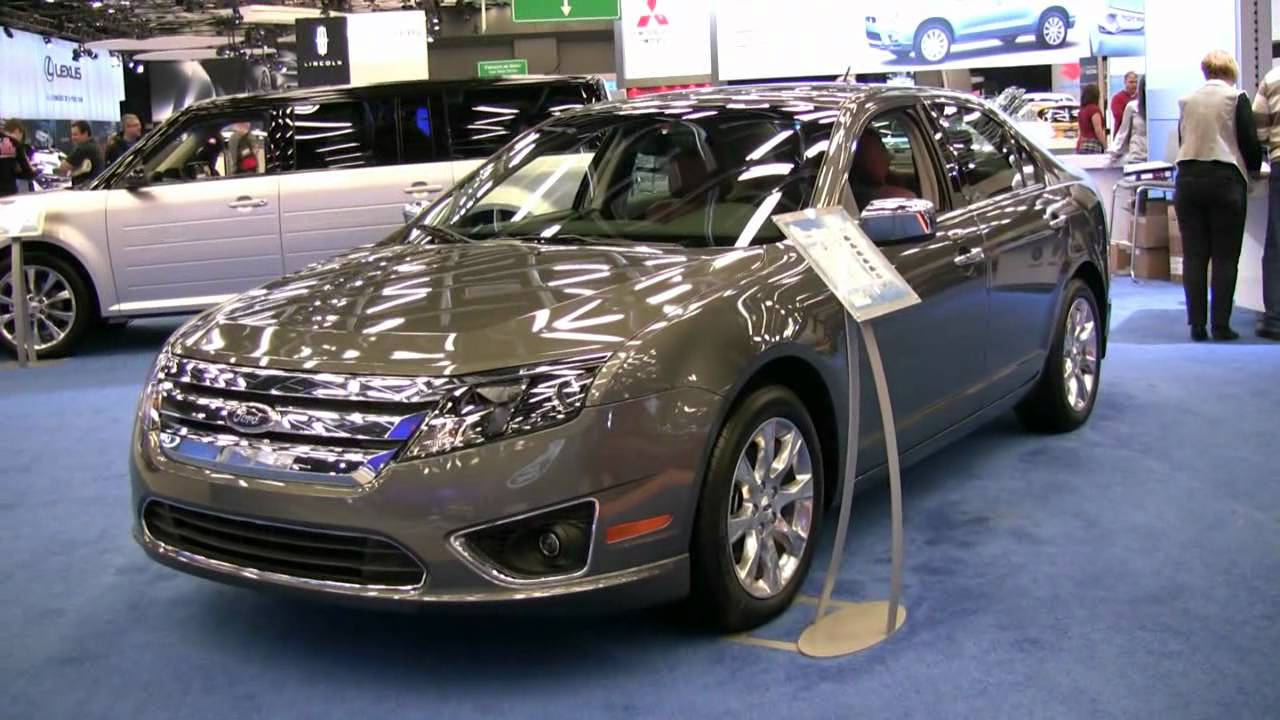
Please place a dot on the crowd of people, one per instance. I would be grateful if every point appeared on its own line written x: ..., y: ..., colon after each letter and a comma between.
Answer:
x: 85, y: 162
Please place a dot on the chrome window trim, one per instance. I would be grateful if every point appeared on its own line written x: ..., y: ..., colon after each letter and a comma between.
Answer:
x: 283, y: 578
x: 458, y: 544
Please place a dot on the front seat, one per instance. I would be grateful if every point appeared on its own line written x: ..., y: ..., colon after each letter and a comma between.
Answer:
x: 871, y: 173
x: 690, y: 181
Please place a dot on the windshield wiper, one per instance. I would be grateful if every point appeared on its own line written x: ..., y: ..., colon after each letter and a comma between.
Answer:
x: 442, y: 233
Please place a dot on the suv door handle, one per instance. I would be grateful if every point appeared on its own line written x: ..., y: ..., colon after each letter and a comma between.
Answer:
x: 970, y: 256
x: 244, y: 203
x: 419, y: 188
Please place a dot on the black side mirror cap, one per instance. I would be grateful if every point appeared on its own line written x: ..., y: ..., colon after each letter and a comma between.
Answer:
x: 898, y: 220
x: 137, y: 178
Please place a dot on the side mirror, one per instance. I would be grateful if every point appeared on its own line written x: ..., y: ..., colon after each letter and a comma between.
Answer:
x: 136, y: 179
x: 893, y: 221
x: 412, y: 210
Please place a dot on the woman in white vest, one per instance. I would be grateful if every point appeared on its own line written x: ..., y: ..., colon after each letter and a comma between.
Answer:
x: 1218, y: 150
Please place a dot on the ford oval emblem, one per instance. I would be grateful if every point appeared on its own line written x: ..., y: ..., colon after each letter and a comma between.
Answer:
x: 252, y: 418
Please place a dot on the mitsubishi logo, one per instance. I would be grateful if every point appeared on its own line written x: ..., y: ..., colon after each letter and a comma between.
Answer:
x: 654, y: 16
x: 322, y: 41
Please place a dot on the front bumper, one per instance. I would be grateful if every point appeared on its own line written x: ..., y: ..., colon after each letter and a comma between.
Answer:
x: 887, y: 36
x: 636, y: 459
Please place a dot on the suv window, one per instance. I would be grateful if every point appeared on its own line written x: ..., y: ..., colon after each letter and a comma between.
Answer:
x: 420, y: 128
x: 332, y: 135
x: 484, y: 119
x: 987, y: 155
x: 216, y: 147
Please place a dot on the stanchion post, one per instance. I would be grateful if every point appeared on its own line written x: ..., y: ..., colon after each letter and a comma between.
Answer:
x: 895, y: 475
x: 850, y: 464
x: 21, y: 311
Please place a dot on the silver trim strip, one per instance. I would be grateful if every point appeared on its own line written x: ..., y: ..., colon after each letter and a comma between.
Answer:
x: 325, y: 386
x: 458, y: 544
x: 270, y: 460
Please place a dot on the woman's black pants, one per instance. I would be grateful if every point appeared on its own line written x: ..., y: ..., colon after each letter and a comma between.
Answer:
x: 1211, y: 199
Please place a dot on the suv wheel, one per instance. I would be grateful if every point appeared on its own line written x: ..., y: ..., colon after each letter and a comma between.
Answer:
x: 1064, y: 398
x: 60, y: 304
x: 759, y: 513
x: 1052, y: 32
x: 933, y: 42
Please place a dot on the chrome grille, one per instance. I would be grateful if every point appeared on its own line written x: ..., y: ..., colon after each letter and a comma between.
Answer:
x: 306, y: 427
x: 296, y: 552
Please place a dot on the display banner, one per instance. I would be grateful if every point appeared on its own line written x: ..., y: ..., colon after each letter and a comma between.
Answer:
x: 324, y: 57
x: 387, y: 46
x: 42, y: 81
x: 175, y: 85
x: 758, y: 39
x: 664, y: 40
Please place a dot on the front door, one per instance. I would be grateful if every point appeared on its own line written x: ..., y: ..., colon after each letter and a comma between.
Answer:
x: 934, y: 352
x: 205, y: 226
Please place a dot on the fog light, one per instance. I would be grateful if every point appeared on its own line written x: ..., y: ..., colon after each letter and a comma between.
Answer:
x: 549, y: 544
x: 544, y: 545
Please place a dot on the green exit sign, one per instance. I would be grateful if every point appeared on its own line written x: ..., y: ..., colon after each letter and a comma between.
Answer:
x: 564, y: 10
x: 501, y: 68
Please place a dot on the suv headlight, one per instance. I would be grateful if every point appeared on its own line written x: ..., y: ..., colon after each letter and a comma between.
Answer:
x: 490, y: 408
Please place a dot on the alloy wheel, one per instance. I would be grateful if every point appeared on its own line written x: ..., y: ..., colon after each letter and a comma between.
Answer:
x: 935, y: 44
x: 771, y: 508
x: 1055, y: 31
x: 51, y: 303
x: 1080, y: 355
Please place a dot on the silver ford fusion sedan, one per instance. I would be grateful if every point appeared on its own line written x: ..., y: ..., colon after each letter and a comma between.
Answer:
x: 596, y: 368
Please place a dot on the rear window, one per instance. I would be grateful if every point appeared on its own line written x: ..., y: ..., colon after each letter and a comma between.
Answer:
x: 484, y: 119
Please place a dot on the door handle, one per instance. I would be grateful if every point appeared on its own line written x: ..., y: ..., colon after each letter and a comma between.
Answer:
x: 419, y: 188
x: 1056, y: 221
x: 244, y: 203
x: 970, y: 256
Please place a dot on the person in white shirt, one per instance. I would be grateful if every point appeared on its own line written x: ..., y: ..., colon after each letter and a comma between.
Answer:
x: 1130, y: 142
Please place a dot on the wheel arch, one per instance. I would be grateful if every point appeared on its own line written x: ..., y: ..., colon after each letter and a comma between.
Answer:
x: 50, y: 247
x: 936, y: 20
x: 789, y: 367
x: 1089, y: 273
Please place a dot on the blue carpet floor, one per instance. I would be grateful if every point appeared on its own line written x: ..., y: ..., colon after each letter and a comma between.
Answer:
x: 1129, y: 570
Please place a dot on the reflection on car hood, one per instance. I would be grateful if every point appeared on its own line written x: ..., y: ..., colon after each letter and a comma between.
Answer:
x: 454, y: 309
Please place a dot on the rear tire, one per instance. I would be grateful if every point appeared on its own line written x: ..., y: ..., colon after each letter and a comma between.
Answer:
x: 778, y: 512
x: 65, y: 308
x: 1067, y: 390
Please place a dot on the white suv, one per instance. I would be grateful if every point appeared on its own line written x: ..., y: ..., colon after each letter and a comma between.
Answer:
x: 233, y: 192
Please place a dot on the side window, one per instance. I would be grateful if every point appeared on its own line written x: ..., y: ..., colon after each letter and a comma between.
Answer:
x: 217, y: 147
x: 332, y: 135
x: 484, y: 119
x: 987, y: 155
x: 420, y: 128
x: 382, y: 125
x: 891, y: 162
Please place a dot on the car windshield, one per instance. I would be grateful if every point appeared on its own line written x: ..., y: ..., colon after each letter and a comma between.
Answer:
x: 709, y: 178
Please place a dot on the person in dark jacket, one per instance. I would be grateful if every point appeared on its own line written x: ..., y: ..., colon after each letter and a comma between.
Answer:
x: 15, y: 165
x: 1218, y: 149
x: 85, y: 161
x: 130, y: 133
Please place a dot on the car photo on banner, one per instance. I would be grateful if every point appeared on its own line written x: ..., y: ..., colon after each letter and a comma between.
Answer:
x: 1121, y: 31
x: 920, y: 32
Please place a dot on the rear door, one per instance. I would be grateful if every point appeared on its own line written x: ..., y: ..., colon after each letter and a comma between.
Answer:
x: 207, y: 224
x: 934, y: 352
x: 348, y: 186
x: 1024, y: 239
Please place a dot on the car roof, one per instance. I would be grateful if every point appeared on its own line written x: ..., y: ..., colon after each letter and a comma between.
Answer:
x: 824, y: 95
x: 228, y: 102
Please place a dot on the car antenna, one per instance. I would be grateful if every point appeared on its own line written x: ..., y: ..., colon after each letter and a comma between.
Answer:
x: 847, y: 78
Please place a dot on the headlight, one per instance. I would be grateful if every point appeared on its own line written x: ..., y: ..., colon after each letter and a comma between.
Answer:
x: 149, y: 405
x: 486, y: 409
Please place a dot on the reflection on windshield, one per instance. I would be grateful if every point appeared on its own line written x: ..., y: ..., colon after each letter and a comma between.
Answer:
x: 673, y: 173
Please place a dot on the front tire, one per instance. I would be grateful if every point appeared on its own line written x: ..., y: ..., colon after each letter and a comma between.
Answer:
x: 759, y: 512
x: 933, y: 42
x: 62, y: 306
x: 1068, y: 389
x: 1052, y: 30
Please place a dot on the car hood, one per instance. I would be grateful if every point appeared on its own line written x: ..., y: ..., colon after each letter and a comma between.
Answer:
x: 455, y: 309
